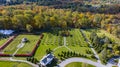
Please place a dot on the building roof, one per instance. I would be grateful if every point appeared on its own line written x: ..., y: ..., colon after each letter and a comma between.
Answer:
x: 46, y: 59
x: 24, y: 39
x: 6, y: 32
x: 119, y: 63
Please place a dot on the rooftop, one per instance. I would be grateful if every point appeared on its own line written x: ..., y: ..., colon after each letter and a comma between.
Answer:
x: 47, y: 59
x: 6, y: 32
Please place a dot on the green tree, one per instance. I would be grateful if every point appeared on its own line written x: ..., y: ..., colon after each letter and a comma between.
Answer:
x: 29, y: 28
x: 39, y: 21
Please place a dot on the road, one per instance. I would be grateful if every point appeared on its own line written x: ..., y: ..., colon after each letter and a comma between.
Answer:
x: 70, y: 60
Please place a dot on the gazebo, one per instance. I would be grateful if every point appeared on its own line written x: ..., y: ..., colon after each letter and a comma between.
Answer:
x: 24, y: 40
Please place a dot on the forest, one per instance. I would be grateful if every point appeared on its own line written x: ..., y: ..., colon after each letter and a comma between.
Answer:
x: 30, y: 18
x: 74, y: 5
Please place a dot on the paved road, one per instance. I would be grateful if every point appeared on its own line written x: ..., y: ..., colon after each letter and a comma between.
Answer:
x: 70, y: 60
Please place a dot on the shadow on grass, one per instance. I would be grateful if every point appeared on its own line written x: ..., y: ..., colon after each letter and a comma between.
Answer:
x: 53, y: 63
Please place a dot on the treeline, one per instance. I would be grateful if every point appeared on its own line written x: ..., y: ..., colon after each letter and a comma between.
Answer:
x: 74, y: 5
x: 35, y: 17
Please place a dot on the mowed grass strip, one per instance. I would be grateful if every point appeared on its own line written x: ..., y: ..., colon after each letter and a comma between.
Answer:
x: 13, y: 64
x: 76, y: 39
x: 79, y: 64
x: 77, y: 43
x: 28, y: 47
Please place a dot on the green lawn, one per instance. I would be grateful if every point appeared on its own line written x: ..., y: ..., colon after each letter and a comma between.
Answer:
x: 13, y: 64
x: 79, y: 64
x: 27, y: 48
x: 59, y: 50
x: 75, y: 43
x: 76, y: 39
x: 2, y: 41
x: 49, y: 41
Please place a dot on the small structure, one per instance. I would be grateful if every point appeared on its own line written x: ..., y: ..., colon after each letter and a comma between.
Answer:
x: 119, y: 63
x: 24, y: 40
x: 6, y: 32
x: 47, y: 59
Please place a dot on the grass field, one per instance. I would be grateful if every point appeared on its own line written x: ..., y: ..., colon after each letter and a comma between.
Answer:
x: 49, y: 41
x: 75, y: 43
x: 13, y: 64
x: 2, y: 41
x: 27, y: 48
x: 79, y: 64
x: 76, y: 39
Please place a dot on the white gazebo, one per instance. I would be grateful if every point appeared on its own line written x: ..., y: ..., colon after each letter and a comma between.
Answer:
x: 24, y: 40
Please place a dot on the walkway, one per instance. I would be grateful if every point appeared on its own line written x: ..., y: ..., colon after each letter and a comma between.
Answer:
x: 65, y: 44
x: 96, y: 55
x: 70, y: 60
x: 34, y: 65
x: 19, y: 47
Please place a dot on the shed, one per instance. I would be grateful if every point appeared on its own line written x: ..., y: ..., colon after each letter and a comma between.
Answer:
x: 6, y: 32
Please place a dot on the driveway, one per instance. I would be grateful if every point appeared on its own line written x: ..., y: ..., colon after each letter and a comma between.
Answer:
x: 70, y: 60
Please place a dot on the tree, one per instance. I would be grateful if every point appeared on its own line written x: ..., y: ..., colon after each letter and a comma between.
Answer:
x: 92, y: 36
x: 97, y: 19
x: 19, y: 21
x: 117, y: 52
x: 39, y: 21
x: 29, y: 28
x: 95, y: 41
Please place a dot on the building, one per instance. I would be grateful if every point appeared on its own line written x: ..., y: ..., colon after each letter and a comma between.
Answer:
x: 47, y: 59
x: 24, y: 40
x: 2, y: 2
x: 119, y: 63
x: 6, y: 32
